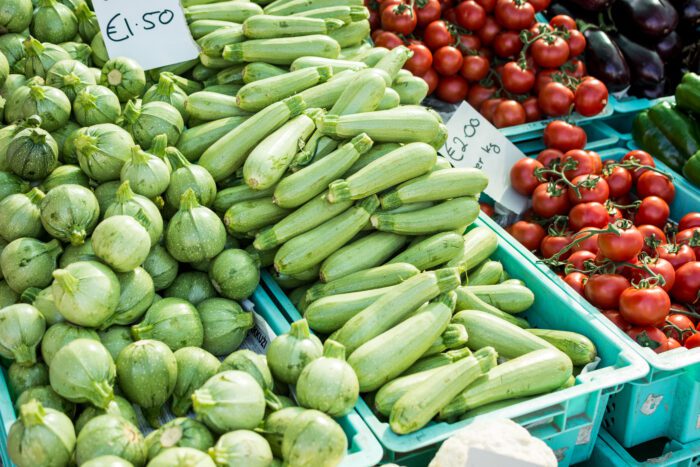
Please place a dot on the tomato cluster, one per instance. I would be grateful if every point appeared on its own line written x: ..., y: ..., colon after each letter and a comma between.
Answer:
x: 606, y: 228
x: 493, y: 54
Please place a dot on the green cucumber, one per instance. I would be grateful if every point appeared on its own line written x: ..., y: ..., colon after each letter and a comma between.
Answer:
x: 329, y: 314
x: 432, y: 251
x: 282, y: 50
x: 352, y: 33
x: 487, y: 273
x: 233, y: 11
x: 259, y: 94
x: 511, y: 298
x: 236, y: 194
x: 258, y: 71
x: 479, y: 244
x: 469, y: 301
x: 454, y: 214
x: 252, y: 215
x: 367, y: 252
x: 194, y: 141
x: 578, y: 347
x: 335, y: 64
x: 270, y: 26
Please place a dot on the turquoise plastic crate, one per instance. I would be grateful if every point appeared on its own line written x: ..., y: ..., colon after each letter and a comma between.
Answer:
x: 627, y: 105
x: 566, y: 420
x: 363, y: 448
x: 608, y: 452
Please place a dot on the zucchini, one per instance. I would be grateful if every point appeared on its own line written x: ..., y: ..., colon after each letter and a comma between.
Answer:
x: 352, y: 33
x: 230, y: 75
x: 387, y: 355
x: 441, y: 164
x: 296, y: 295
x: 511, y: 298
x: 213, y: 63
x: 351, y: 52
x: 263, y: 258
x: 578, y: 347
x: 324, y: 95
x: 288, y: 282
x: 236, y: 194
x: 297, y: 6
x: 232, y: 11
x: 487, y: 273
x: 335, y: 64
x: 453, y: 337
x: 362, y: 95
x: 437, y: 360
x: 367, y: 252
x: 208, y: 106
x: 312, y: 247
x: 202, y: 27
x: 248, y: 216
x: 213, y: 43
x: 225, y: 89
x: 469, y: 301
x: 420, y: 404
x: 259, y: 94
x: 187, y: 85
x: 410, y: 89
x: 258, y: 71
x: 344, y: 13
x: 194, y: 141
x: 485, y: 329
x: 398, y: 166
x: 373, y: 278
x: 310, y: 215
x: 513, y: 281
x: 328, y: 314
x: 377, y: 151
x: 395, y: 306
x: 436, y: 186
x: 226, y: 155
x: 373, y: 56
x: 296, y: 189
x: 390, y: 100
x: 535, y: 373
x: 268, y: 162
x: 392, y: 62
x: 454, y: 214
x: 282, y: 50
x: 479, y: 244
x: 270, y: 26
x: 432, y: 251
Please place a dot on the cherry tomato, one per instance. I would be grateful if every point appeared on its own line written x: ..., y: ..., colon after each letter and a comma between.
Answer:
x: 546, y: 204
x: 431, y: 77
x: 509, y: 113
x: 388, y: 40
x: 623, y: 247
x: 683, y: 323
x: 693, y: 341
x: 488, y: 108
x: 487, y: 5
x: 585, y: 163
x: 488, y: 33
x: 577, y: 43
x: 429, y: 12
x: 487, y: 209
x: 687, y: 284
x: 566, y: 22
x: 447, y: 61
x: 653, y: 237
x: 604, y: 290
x: 590, y: 243
x: 514, y: 15
x: 577, y: 259
x: 421, y: 61
x: 529, y: 234
x: 532, y: 109
x: 598, y: 192
x: 452, y: 89
x: 617, y: 319
x: 655, y: 184
x: 577, y: 281
x: 645, y: 306
x: 550, y: 54
x: 553, y: 244
x: 437, y: 35
x: 649, y: 336
x: 542, y: 79
x: 507, y: 44
x: 564, y: 136
x: 619, y: 181
x: 653, y: 210
x: 522, y: 175
x: 657, y: 266
x: 478, y: 94
x: 400, y: 19
x: 641, y: 157
x: 690, y: 237
x: 591, y: 97
x: 555, y: 99
x: 470, y: 15
x: 539, y: 5
x: 592, y: 214
x: 690, y: 220
x: 475, y: 67
x: 517, y: 80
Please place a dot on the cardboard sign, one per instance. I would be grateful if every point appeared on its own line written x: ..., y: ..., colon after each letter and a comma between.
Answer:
x: 474, y: 142
x: 154, y: 33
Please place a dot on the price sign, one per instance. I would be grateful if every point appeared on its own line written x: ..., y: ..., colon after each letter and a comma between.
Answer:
x: 153, y: 32
x: 474, y: 142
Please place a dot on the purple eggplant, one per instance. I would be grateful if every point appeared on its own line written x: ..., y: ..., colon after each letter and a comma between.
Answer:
x: 568, y: 8
x: 645, y: 64
x: 644, y: 19
x: 670, y: 47
x: 652, y: 91
x: 604, y: 60
x: 690, y: 14
x: 592, y: 5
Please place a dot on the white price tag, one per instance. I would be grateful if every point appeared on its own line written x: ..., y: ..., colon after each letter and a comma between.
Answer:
x: 152, y: 32
x: 474, y: 142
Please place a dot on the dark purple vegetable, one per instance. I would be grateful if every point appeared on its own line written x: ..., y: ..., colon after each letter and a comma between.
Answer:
x: 592, y: 5
x: 644, y: 19
x: 670, y: 47
x: 649, y: 91
x: 690, y: 15
x: 645, y: 65
x: 604, y: 60
x: 564, y: 7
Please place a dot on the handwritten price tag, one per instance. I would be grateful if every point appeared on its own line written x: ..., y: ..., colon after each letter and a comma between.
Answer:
x: 153, y: 32
x: 474, y: 142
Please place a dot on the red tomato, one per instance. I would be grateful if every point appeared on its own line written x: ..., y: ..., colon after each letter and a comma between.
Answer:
x: 375, y: 20
x: 690, y: 220
x: 577, y: 43
x: 376, y: 33
x: 546, y: 204
x: 653, y: 210
x: 653, y: 237
x: 690, y: 237
x: 619, y: 182
x: 388, y: 40
x: 649, y: 336
x: 604, y: 290
x: 591, y: 97
x: 478, y: 94
x: 437, y: 35
x: 590, y: 243
x: 645, y: 306
x: 577, y: 281
x: 621, y: 248
x: 488, y: 33
x: 564, y: 136
x: 577, y: 259
x: 421, y: 61
x: 591, y: 214
x: 578, y: 70
x: 509, y: 113
x: 487, y: 209
x: 522, y: 175
x: 488, y: 108
x: 400, y: 19
x: 555, y: 99
x: 517, y: 80
x: 553, y: 244
x: 585, y: 164
x: 641, y: 157
x: 431, y: 77
x: 671, y: 344
x: 683, y: 323
x: 429, y: 12
x: 566, y: 22
x: 543, y: 78
x: 687, y: 284
x: 452, y: 89
x: 655, y: 184
x: 657, y: 266
x: 692, y: 341
x: 507, y: 44
x: 447, y: 61
x: 529, y: 234
x: 539, y: 5
x: 487, y: 5
x: 539, y: 28
x: 449, y: 14
x: 617, y: 319
x: 598, y: 192
x: 677, y: 255
x: 469, y: 43
x: 614, y: 213
x: 470, y: 15
x: 514, y: 15
x: 598, y: 162
x: 550, y: 54
x: 475, y: 67
x: 532, y: 109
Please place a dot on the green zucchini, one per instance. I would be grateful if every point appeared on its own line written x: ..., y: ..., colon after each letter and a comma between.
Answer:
x: 513, y: 281
x: 296, y: 189
x: 283, y: 50
x: 259, y: 94
x: 487, y: 273
x: 454, y: 214
x: 328, y: 314
x: 373, y: 278
x: 511, y: 298
x: 352, y: 51
x: 213, y: 43
x: 351, y: 34
x: 208, y: 106
x: 310, y: 215
x: 393, y: 307
x: 297, y: 6
x: 324, y: 95
x: 535, y: 373
x: 479, y: 244
x: 509, y: 340
x: 390, y: 100
x: 226, y: 155
x: 441, y: 164
x: 344, y: 13
x: 249, y: 216
x: 372, y: 56
x: 392, y: 62
x: 225, y: 89
x: 432, y: 251
x: 387, y: 355
x: 367, y: 252
x: 441, y: 359
x: 288, y: 282
x: 270, y: 26
x: 411, y: 89
x: 202, y: 27
x: 209, y: 66
x: 312, y: 247
x: 398, y: 166
x: 263, y: 258
x: 377, y: 151
x: 578, y: 347
x: 236, y: 194
x: 268, y: 162
x: 194, y: 141
x: 469, y: 301
x: 297, y: 295
x: 420, y: 404
x: 436, y: 186
x: 453, y: 337
x: 335, y: 64
x: 231, y: 75
x: 232, y: 11
x: 257, y: 71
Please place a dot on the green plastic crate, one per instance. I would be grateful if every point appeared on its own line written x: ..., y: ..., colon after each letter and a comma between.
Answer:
x: 608, y: 452
x: 566, y: 420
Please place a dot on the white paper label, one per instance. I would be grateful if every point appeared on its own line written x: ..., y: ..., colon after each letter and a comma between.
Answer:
x: 479, y: 458
x: 153, y: 32
x: 474, y: 142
